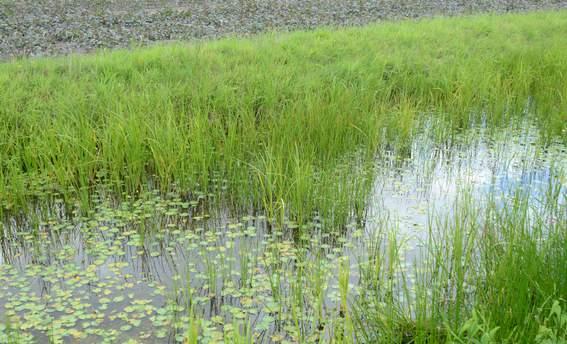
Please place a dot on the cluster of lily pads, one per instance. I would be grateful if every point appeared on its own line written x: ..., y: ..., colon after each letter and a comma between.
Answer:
x: 146, y: 269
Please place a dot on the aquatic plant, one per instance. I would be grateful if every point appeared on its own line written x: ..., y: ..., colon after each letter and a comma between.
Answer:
x: 270, y: 120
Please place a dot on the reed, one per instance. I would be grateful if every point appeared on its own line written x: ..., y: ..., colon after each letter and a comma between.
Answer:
x: 270, y: 119
x: 492, y: 272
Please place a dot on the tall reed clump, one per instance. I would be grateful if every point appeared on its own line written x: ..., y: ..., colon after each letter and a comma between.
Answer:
x: 270, y: 119
x: 523, y: 256
x: 491, y: 272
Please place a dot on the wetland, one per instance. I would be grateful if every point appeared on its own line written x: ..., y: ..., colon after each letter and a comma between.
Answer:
x: 382, y: 184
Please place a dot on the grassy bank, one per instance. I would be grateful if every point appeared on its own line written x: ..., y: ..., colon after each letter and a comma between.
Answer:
x: 275, y: 120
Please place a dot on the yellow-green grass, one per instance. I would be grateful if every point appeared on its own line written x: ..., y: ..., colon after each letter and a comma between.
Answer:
x: 278, y: 119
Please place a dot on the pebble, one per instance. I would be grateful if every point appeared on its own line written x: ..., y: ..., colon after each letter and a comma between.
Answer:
x: 58, y: 27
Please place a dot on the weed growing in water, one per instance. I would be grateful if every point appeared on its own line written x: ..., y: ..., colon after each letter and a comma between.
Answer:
x: 272, y: 119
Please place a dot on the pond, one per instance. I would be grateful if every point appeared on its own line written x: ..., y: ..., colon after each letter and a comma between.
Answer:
x: 156, y: 268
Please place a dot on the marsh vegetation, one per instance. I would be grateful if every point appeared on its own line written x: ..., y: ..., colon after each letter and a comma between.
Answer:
x: 398, y: 183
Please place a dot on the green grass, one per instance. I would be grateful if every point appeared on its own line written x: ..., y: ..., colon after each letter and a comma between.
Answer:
x: 492, y: 273
x: 291, y: 124
x: 276, y: 119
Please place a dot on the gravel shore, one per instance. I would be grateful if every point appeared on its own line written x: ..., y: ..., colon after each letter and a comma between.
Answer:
x: 54, y: 27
